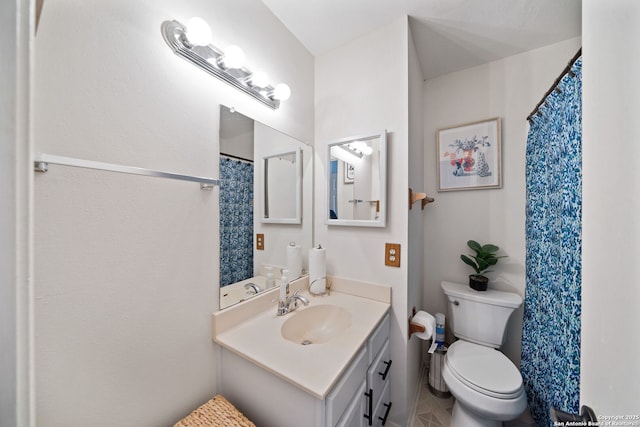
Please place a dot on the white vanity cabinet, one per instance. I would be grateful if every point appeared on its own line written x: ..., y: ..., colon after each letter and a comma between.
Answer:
x: 368, y: 375
x: 359, y: 397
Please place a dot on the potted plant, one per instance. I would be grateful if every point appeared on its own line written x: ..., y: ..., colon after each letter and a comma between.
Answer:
x: 484, y: 258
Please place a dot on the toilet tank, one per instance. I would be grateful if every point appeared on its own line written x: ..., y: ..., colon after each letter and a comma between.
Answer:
x: 480, y: 316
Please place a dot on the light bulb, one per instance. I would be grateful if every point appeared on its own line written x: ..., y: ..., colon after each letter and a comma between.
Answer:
x: 259, y: 79
x: 198, y: 32
x: 233, y: 57
x: 358, y: 145
x: 282, y: 92
x: 363, y: 147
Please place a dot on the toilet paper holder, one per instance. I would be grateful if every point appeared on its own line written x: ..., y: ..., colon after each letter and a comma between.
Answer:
x: 414, y: 327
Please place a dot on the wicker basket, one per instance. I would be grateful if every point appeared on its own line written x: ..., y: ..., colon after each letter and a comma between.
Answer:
x: 217, y: 412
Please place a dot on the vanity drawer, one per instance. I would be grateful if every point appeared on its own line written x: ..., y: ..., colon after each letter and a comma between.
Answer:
x: 378, y: 338
x: 381, y: 412
x: 345, y: 391
x: 379, y: 372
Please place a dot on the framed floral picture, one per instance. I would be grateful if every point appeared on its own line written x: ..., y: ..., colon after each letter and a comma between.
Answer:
x: 469, y: 156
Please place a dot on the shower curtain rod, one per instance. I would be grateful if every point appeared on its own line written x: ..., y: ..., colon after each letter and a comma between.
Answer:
x: 231, y: 156
x: 567, y: 70
x: 41, y: 164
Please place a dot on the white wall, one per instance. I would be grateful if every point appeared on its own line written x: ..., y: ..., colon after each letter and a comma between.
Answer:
x: 609, y: 371
x: 346, y: 105
x: 126, y: 267
x: 415, y: 273
x: 509, y: 89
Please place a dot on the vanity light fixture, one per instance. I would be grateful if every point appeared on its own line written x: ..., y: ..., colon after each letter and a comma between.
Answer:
x: 233, y: 58
x: 193, y: 43
x: 362, y: 147
x: 198, y: 32
x: 346, y: 154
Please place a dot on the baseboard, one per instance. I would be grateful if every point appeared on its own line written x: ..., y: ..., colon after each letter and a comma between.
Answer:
x: 416, y: 398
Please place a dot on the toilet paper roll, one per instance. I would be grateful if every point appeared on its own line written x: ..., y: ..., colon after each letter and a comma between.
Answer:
x: 425, y: 319
x: 317, y: 270
x: 294, y: 260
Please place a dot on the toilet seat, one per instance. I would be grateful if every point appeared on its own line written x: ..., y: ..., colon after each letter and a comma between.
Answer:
x: 484, y: 370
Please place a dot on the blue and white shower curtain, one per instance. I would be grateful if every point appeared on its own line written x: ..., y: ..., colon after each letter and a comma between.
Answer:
x: 550, y: 362
x: 236, y: 220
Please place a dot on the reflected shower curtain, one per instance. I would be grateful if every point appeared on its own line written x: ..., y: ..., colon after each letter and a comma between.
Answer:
x: 550, y: 363
x: 236, y: 220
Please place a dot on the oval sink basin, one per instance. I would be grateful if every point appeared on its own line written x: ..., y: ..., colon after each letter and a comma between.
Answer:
x: 316, y: 325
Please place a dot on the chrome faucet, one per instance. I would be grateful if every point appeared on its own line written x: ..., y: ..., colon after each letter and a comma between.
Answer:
x: 256, y: 288
x: 291, y: 303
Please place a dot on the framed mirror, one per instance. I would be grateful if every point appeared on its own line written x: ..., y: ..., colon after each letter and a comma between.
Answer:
x: 357, y: 181
x: 281, y: 188
x: 255, y: 161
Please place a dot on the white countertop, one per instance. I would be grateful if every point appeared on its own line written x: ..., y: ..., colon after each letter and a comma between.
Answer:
x: 253, y: 332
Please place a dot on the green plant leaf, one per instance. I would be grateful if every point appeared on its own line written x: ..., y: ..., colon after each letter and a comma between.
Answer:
x: 485, y: 256
x: 483, y: 264
x: 470, y: 262
x: 474, y: 245
x: 490, y: 248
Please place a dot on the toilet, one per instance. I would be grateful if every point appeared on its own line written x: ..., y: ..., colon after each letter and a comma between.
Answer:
x: 487, y: 386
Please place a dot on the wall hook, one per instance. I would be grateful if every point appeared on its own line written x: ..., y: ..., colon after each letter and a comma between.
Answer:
x: 414, y: 197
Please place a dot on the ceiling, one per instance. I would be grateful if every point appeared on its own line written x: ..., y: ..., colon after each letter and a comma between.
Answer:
x: 449, y: 35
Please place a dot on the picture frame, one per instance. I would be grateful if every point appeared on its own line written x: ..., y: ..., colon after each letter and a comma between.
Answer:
x: 469, y: 156
x: 349, y: 173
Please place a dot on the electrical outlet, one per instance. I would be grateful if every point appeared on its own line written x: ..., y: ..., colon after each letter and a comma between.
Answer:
x: 392, y: 254
x: 259, y: 242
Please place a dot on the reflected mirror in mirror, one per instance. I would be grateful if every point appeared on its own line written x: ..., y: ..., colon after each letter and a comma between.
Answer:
x: 356, y: 173
x: 246, y: 147
x: 281, y: 188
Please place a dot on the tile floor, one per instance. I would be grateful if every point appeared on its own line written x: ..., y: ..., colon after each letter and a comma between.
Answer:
x: 433, y: 411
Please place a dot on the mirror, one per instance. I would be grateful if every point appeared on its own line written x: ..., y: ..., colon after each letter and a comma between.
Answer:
x: 357, y: 181
x: 282, y: 180
x: 264, y: 177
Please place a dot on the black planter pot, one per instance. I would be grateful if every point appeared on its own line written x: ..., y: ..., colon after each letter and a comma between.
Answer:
x: 477, y: 282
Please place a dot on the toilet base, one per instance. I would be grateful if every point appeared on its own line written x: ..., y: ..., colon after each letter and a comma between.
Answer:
x: 462, y: 417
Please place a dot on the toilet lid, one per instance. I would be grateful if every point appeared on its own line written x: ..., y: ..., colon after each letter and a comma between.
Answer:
x: 484, y: 369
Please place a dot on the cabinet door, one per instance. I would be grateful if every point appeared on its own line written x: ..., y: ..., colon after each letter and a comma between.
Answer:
x: 345, y: 391
x: 354, y: 415
x: 381, y: 412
